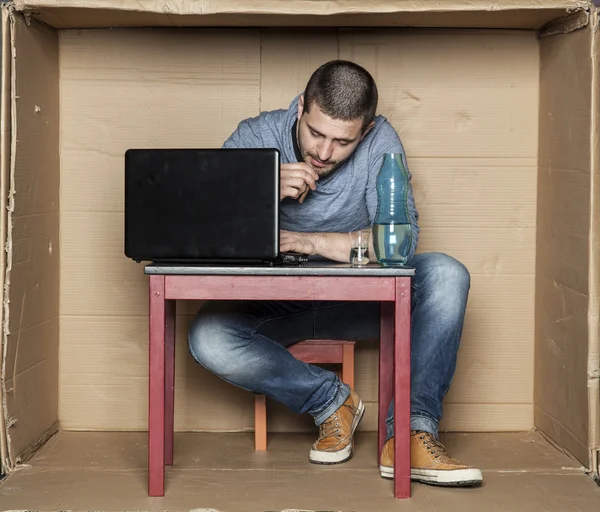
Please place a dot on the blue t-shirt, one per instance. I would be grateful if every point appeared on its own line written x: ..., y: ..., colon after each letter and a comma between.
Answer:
x: 346, y: 200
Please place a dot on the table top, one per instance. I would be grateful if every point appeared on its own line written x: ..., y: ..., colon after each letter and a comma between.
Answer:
x: 310, y: 268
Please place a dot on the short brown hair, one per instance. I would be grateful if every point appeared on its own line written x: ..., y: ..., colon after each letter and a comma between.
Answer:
x: 343, y: 90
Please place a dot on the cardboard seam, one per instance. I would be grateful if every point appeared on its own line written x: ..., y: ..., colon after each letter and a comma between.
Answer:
x: 553, y: 424
x: 9, y: 225
x: 30, y: 451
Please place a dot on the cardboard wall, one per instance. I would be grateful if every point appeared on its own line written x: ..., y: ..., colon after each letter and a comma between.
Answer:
x: 564, y: 250
x: 31, y: 303
x: 466, y: 106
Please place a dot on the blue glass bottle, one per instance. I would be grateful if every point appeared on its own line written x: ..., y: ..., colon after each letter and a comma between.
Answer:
x: 392, y: 230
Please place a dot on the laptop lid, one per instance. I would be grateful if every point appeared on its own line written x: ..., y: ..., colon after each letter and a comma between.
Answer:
x: 187, y: 205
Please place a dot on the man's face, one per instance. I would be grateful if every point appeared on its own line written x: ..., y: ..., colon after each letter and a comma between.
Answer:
x: 325, y: 143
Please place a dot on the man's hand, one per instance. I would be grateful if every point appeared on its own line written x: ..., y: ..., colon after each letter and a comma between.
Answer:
x: 333, y: 246
x: 303, y: 243
x: 296, y: 180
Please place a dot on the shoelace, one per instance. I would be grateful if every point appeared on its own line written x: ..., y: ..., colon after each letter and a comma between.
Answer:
x: 331, y: 427
x: 432, y: 445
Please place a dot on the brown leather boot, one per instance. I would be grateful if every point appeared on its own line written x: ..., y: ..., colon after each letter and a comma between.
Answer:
x: 336, y: 434
x: 430, y: 463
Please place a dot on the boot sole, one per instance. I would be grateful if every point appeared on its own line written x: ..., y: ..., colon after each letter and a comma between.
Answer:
x: 470, y: 477
x: 327, y: 458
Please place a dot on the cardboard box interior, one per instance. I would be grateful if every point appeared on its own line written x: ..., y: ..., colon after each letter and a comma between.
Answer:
x: 499, y: 121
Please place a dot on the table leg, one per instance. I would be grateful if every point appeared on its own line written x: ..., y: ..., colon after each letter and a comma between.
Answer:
x: 156, y: 399
x: 402, y: 388
x: 169, y: 381
x: 386, y: 368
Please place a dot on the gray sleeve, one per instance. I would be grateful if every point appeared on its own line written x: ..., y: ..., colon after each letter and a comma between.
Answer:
x: 388, y: 141
x: 246, y: 135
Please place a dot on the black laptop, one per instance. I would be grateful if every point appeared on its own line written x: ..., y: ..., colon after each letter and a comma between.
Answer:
x: 195, y: 206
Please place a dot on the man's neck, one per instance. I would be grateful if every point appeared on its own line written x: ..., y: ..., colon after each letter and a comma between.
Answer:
x: 294, y: 134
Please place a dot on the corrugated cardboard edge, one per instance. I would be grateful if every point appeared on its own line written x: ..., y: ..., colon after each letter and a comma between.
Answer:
x: 305, y: 7
x: 5, y: 134
x: 8, y: 198
x: 594, y: 262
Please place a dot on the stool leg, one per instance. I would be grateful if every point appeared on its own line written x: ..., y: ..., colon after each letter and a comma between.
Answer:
x: 348, y: 365
x: 169, y: 381
x: 260, y: 423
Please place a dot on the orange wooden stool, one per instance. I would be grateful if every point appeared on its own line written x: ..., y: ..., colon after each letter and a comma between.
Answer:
x: 314, y: 352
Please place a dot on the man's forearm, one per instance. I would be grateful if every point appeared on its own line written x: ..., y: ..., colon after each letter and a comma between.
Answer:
x: 336, y: 246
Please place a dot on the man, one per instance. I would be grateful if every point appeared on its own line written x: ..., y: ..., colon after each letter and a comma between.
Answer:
x: 332, y: 144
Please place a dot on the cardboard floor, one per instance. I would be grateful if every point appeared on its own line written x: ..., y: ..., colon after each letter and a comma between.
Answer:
x: 107, y: 472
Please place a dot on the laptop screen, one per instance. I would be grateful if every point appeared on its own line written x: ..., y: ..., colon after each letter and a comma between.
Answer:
x: 199, y: 205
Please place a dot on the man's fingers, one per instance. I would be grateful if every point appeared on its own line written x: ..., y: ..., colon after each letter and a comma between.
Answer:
x: 304, y: 172
x: 298, y: 183
x: 286, y: 247
x: 301, y: 166
x: 292, y: 192
x: 300, y: 175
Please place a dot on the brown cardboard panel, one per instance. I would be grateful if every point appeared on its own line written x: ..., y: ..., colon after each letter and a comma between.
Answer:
x: 72, y: 14
x: 302, y: 7
x: 493, y: 452
x: 154, y: 88
x: 477, y: 96
x: 288, y: 60
x: 562, y: 319
x: 561, y: 357
x: 556, y: 216
x: 487, y: 417
x: 563, y: 437
x: 31, y: 367
x: 471, y: 192
x: 67, y: 18
x: 83, y: 471
x: 482, y: 250
x: 23, y: 390
x: 5, y: 163
x: 594, y: 281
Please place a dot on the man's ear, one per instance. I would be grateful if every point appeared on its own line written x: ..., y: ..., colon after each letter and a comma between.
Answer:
x: 367, y: 130
x: 300, y: 105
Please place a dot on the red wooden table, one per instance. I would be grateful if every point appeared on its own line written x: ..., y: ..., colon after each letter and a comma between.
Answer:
x: 313, y: 281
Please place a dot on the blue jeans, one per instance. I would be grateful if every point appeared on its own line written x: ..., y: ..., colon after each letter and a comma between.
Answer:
x: 244, y: 343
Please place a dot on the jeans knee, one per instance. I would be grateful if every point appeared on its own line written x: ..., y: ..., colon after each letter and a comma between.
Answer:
x: 205, y: 341
x: 446, y: 271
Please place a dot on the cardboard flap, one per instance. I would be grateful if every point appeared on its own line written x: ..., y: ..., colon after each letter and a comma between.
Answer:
x: 565, y: 289
x: 424, y: 13
x: 31, y: 293
x: 303, y: 6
